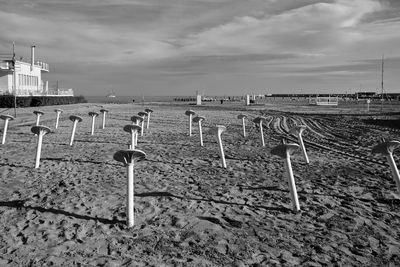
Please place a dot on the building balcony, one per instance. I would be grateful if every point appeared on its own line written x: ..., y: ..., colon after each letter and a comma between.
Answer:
x: 44, y: 66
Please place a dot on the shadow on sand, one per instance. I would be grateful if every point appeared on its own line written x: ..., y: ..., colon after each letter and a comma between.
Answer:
x: 80, y: 161
x: 20, y: 204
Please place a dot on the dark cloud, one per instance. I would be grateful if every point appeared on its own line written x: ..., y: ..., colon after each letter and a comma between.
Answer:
x: 388, y: 14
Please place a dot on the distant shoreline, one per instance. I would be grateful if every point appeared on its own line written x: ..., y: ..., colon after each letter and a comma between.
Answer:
x: 209, y: 98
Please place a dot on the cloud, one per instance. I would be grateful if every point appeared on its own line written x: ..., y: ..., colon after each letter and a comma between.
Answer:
x: 163, y: 40
x: 315, y: 27
x: 220, y: 64
x: 102, y: 31
x: 79, y: 39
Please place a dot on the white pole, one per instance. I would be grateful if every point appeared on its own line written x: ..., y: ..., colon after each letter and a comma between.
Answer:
x: 133, y: 138
x: 141, y: 132
x: 303, y: 148
x: 130, y: 191
x: 15, y: 86
x: 148, y: 120
x: 292, y: 185
x: 262, y: 134
x: 73, y: 133
x: 4, y: 132
x: 37, y: 119
x: 93, y: 119
x: 201, y: 134
x: 221, y: 151
x: 190, y: 124
x: 38, y: 150
x: 58, y: 117
x: 104, y: 120
x: 244, y: 127
x: 395, y: 171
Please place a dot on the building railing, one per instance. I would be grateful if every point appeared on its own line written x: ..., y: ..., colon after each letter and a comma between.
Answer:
x: 42, y: 65
x: 60, y: 92
x: 7, y: 65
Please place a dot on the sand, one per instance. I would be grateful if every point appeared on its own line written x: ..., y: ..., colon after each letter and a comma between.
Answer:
x: 189, y: 211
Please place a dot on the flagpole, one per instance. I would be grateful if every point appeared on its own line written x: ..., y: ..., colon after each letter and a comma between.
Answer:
x: 14, y: 82
x: 382, y: 85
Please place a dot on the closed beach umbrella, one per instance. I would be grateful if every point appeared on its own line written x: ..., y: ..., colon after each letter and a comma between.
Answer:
x: 103, y: 111
x: 243, y: 117
x: 136, y: 119
x: 40, y: 131
x: 190, y: 113
x: 219, y: 129
x: 38, y: 114
x: 58, y: 112
x: 93, y: 115
x: 284, y: 151
x: 6, y: 119
x: 128, y: 157
x: 298, y: 131
x: 143, y: 115
x: 134, y: 131
x: 75, y: 120
x: 259, y: 121
x: 199, y: 119
x: 148, y: 111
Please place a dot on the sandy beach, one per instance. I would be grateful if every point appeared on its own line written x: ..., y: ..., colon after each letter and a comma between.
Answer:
x: 189, y: 211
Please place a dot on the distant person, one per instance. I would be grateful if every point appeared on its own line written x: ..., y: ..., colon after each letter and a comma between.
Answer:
x: 133, y: 100
x: 222, y: 101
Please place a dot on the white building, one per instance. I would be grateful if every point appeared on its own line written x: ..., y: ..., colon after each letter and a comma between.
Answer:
x: 27, y: 78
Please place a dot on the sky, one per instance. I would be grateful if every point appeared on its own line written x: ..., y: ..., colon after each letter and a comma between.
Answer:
x: 215, y: 47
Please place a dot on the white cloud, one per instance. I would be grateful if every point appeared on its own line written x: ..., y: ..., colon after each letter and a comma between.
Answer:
x: 313, y: 28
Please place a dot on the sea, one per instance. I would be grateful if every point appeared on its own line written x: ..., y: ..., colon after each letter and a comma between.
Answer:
x: 135, y: 99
